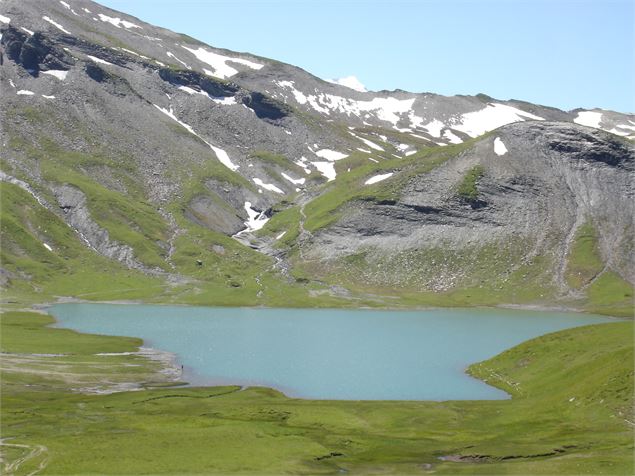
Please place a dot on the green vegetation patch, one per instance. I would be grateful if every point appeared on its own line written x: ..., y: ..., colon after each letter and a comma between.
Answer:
x: 612, y: 295
x: 468, y: 188
x: 584, y: 260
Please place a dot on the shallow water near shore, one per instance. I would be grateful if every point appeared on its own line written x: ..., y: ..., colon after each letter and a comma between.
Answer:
x: 327, y: 353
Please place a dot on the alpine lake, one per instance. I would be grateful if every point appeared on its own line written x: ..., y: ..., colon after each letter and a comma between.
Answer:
x: 328, y: 354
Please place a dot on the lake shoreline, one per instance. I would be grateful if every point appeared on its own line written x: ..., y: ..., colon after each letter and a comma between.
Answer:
x: 39, y: 307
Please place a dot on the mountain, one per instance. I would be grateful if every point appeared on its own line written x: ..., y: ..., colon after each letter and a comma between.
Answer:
x: 142, y: 163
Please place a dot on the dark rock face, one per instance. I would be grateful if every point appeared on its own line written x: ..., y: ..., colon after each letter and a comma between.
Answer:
x: 198, y: 81
x: 265, y: 107
x: 34, y: 53
x: 95, y: 73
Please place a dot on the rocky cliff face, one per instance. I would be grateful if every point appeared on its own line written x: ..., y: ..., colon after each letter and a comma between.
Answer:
x: 140, y: 139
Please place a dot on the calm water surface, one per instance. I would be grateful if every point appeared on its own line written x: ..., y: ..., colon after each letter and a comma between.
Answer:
x: 327, y: 354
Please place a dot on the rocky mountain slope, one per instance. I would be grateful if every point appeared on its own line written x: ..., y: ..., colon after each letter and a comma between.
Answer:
x: 139, y: 162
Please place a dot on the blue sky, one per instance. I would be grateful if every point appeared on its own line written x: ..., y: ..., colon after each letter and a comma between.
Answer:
x: 562, y: 53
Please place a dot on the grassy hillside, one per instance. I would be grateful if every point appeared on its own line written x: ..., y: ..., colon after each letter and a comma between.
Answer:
x: 571, y: 413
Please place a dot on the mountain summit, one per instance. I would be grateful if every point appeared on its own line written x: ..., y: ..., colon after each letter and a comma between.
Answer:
x: 142, y: 163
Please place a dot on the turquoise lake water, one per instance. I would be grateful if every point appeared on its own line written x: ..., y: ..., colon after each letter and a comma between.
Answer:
x: 327, y: 354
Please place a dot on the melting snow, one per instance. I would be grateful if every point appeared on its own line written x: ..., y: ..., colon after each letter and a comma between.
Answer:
x: 330, y: 155
x: 24, y: 92
x: 299, y: 181
x: 267, y: 186
x: 220, y: 153
x: 434, y: 128
x: 350, y: 82
x: 256, y: 220
x: 589, y: 118
x: 327, y: 169
x: 370, y: 144
x: 453, y: 138
x: 499, y: 147
x: 134, y: 53
x: 4, y: 19
x: 31, y: 33
x: 489, y: 118
x: 171, y: 55
x: 227, y: 101
x: 55, y: 24
x: 219, y: 62
x: 378, y: 178
x: 99, y: 60
x: 47, y: 247
x: 68, y: 7
x: 117, y: 21
x: 59, y: 74
x: 302, y: 162
x: 386, y: 109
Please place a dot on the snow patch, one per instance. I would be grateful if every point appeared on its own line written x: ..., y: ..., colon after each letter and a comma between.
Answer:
x: 589, y: 118
x: 281, y: 235
x: 134, y: 53
x: 366, y: 151
x: 87, y: 10
x: 450, y: 136
x: 220, y: 153
x: 410, y: 152
x: 227, y: 101
x: 331, y: 155
x: 299, y: 181
x: 378, y: 178
x: 267, y: 186
x: 350, y: 82
x: 66, y: 5
x: 256, y: 219
x: 59, y: 74
x: 302, y: 162
x: 327, y: 169
x: 99, y: 60
x: 55, y: 24
x: 4, y: 19
x: 494, y: 115
x: 219, y: 62
x: 117, y: 21
x: 370, y: 144
x: 499, y: 147
x: 31, y: 33
x: 48, y: 97
x: 12, y: 83
x: 24, y: 92
x: 386, y: 109
x: 47, y: 246
x: 171, y: 55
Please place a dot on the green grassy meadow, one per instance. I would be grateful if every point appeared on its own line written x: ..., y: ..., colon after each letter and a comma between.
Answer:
x: 571, y: 412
